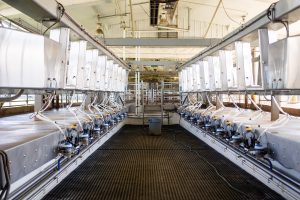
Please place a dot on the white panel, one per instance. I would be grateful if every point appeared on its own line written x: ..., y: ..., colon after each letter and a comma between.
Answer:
x: 184, y: 80
x: 108, y: 75
x: 202, y: 85
x: 180, y: 80
x: 120, y: 78
x: 76, y: 65
x: 194, y: 87
x: 284, y: 59
x: 91, y: 62
x: 244, y: 65
x: 190, y: 79
x: 62, y: 35
x: 29, y: 60
x: 101, y: 71
x: 217, y: 72
x: 114, y: 78
x: 197, y: 77
x: 124, y: 79
x: 228, y: 72
x: 206, y: 76
x: 81, y: 65
x: 211, y: 73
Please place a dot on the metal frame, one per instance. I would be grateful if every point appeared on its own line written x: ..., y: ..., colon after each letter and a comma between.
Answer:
x: 274, y: 181
x: 282, y: 8
x: 166, y: 42
x: 38, y: 191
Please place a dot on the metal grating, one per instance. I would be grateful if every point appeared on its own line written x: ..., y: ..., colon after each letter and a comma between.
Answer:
x: 134, y: 165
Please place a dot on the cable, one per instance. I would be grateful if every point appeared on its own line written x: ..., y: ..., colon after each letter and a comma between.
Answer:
x: 271, y: 17
x: 60, y: 11
x: 228, y: 15
x: 5, y: 163
x: 212, y: 166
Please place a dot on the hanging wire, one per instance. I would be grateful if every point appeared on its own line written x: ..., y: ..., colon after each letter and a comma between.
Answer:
x: 271, y: 16
x: 230, y: 18
x: 60, y: 11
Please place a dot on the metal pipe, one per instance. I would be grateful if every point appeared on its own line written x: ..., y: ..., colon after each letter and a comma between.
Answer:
x: 154, y: 31
x: 131, y: 18
x: 136, y: 89
x: 6, y: 99
x: 172, y: 28
x: 212, y: 19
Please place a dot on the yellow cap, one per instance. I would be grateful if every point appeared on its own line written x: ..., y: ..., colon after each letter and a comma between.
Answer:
x: 248, y: 128
x: 73, y: 126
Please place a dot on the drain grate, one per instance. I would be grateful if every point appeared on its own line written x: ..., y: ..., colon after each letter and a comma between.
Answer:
x: 133, y: 165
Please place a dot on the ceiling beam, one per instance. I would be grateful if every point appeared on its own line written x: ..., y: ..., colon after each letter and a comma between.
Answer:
x: 158, y: 42
x: 151, y: 63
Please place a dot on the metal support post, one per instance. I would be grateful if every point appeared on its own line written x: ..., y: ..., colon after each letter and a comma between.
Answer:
x: 219, y: 101
x: 274, y: 109
x: 38, y: 103
x: 162, y: 102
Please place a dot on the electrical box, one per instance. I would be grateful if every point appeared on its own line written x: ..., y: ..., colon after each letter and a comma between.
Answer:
x: 283, y: 71
x: 29, y: 60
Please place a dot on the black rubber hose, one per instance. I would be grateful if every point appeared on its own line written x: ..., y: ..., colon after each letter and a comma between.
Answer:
x: 5, y: 162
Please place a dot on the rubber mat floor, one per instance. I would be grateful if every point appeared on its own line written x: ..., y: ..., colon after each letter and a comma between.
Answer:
x: 177, y: 165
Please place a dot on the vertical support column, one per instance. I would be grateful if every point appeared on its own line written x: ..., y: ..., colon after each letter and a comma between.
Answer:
x: 142, y: 95
x: 139, y: 93
x: 124, y: 48
x: 263, y: 37
x: 88, y: 100
x: 136, y: 92
x: 162, y: 102
x: 219, y: 100
x: 38, y: 103
x: 246, y: 101
x: 274, y: 109
x: 56, y: 102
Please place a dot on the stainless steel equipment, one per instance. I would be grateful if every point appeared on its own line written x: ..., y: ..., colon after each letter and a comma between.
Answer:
x: 283, y: 69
